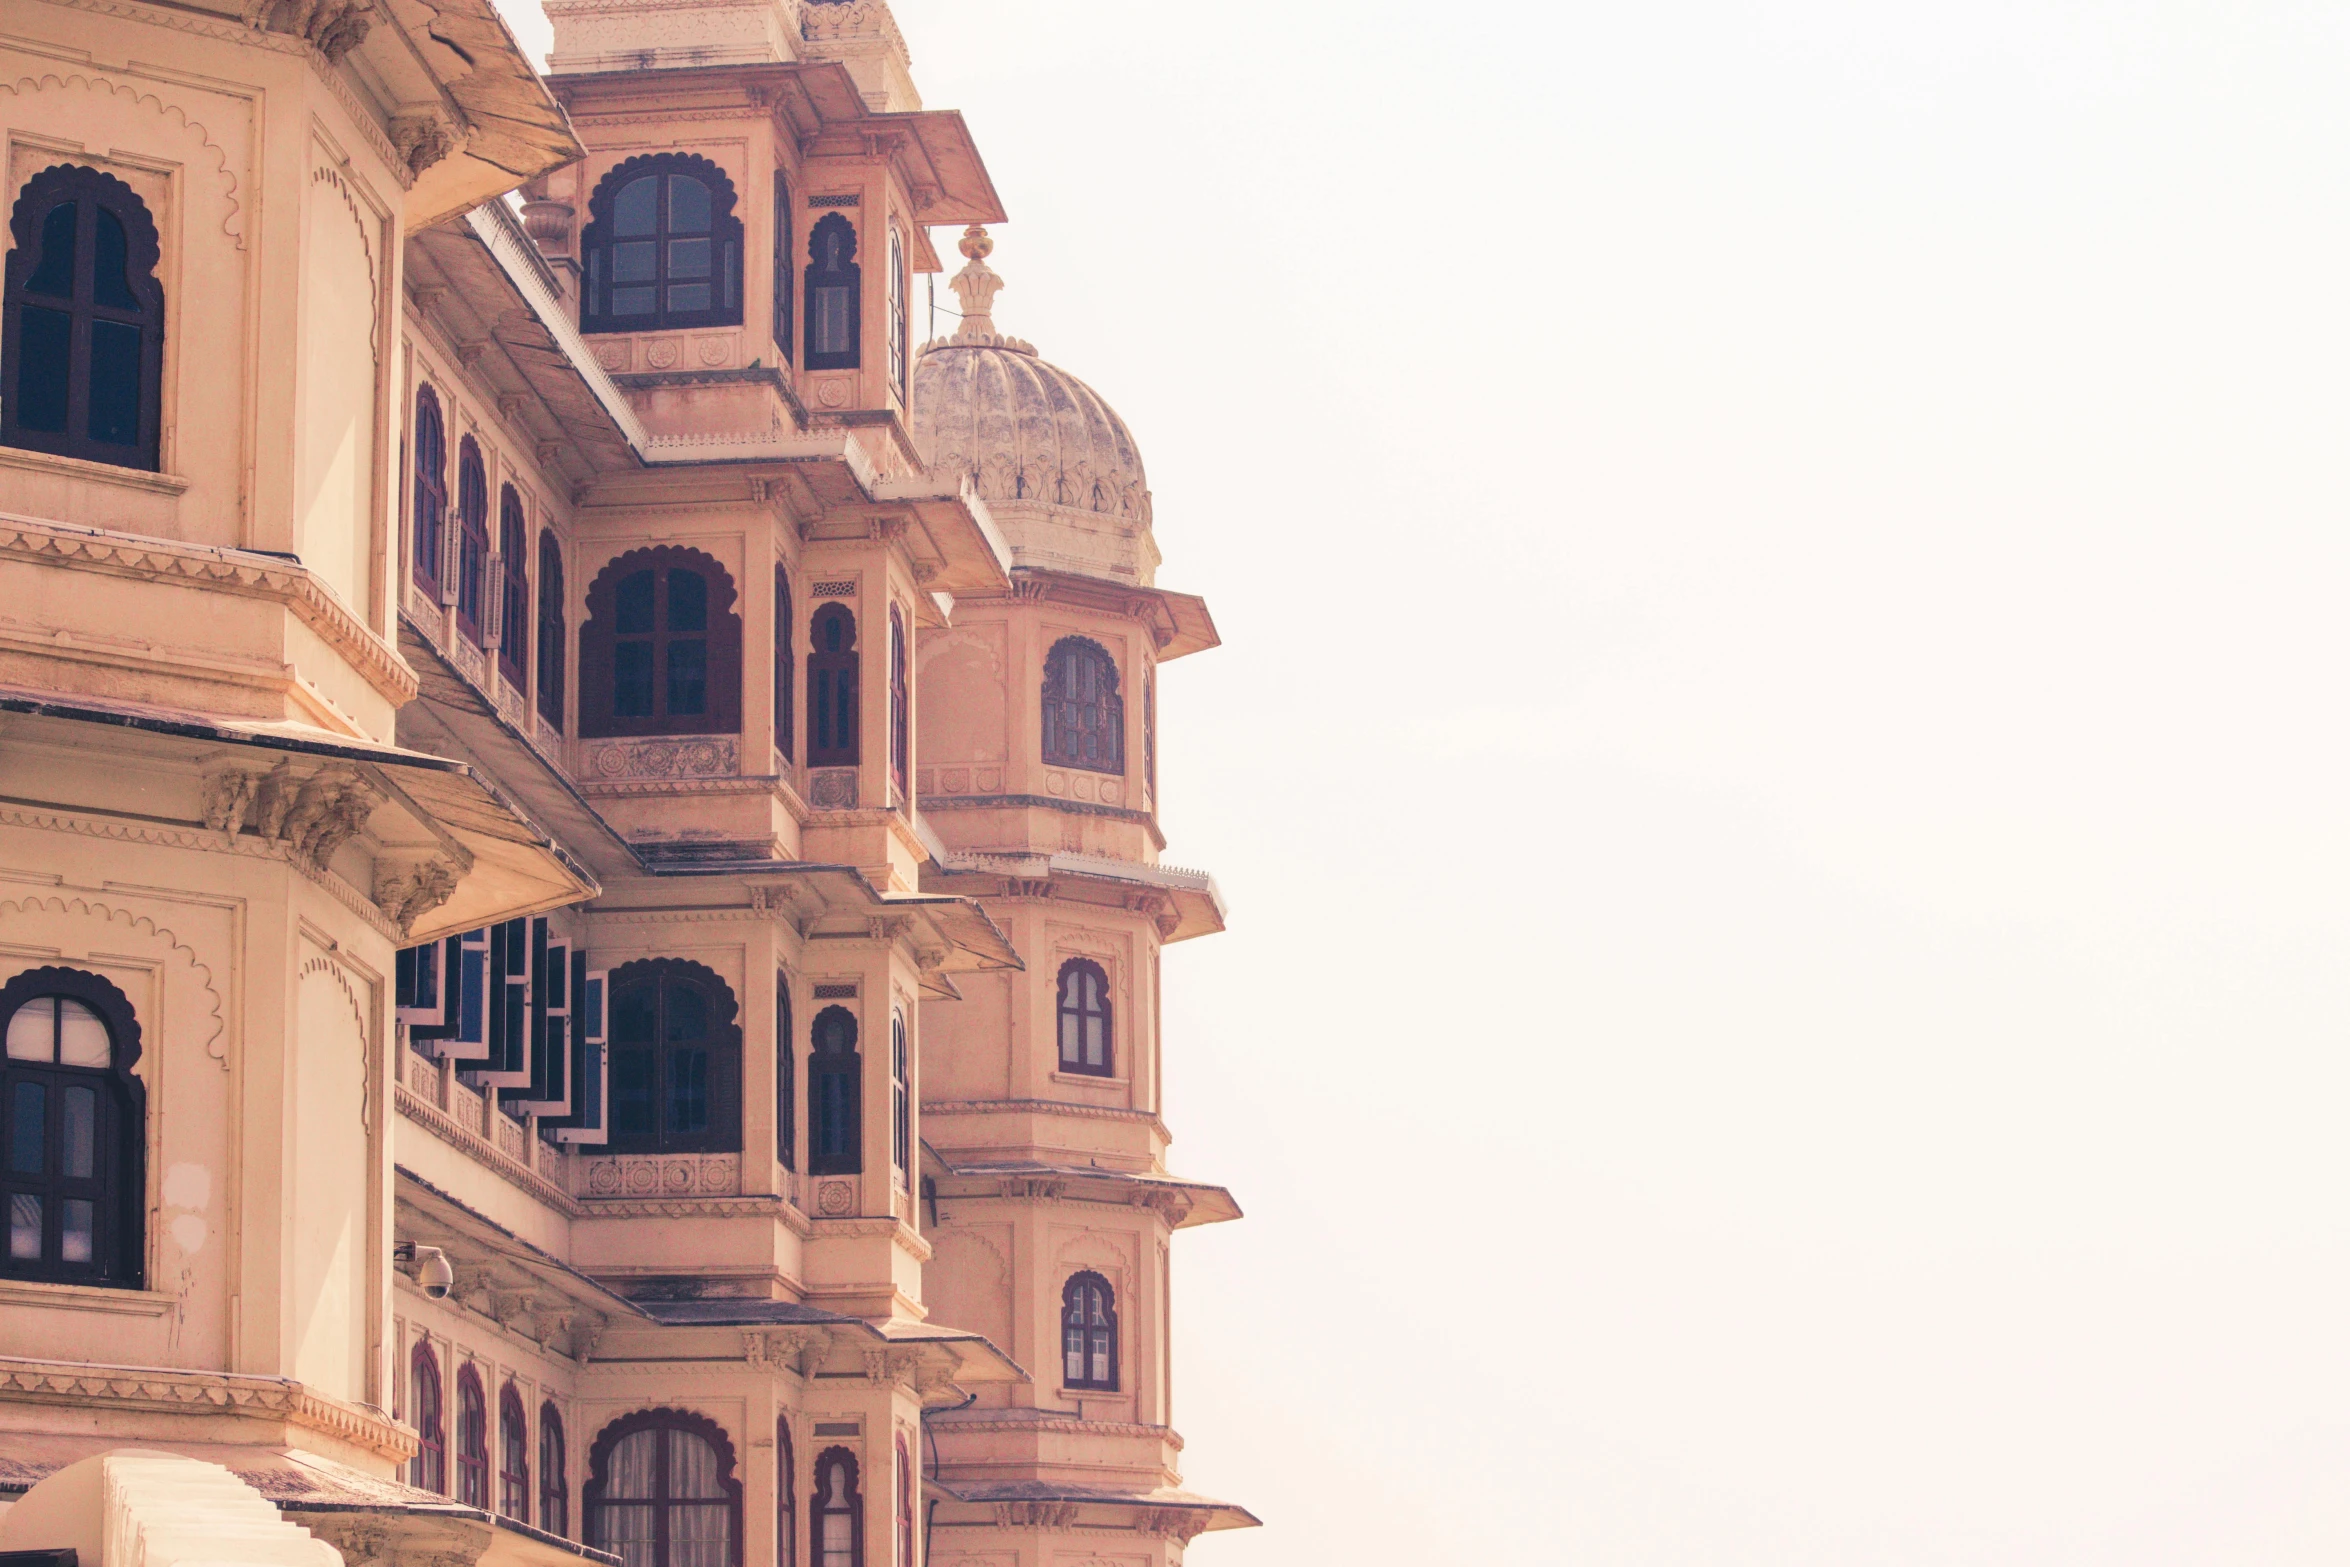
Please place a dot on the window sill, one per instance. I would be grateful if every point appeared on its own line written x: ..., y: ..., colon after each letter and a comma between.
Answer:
x: 1089, y: 1079
x: 99, y: 472
x: 85, y: 1297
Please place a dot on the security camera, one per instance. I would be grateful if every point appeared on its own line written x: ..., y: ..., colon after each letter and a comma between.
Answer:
x: 433, y: 1274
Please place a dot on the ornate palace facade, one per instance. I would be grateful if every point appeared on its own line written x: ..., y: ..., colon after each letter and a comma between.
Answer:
x: 580, y: 899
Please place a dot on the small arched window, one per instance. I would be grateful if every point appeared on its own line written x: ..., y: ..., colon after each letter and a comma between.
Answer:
x: 1150, y: 735
x: 835, y: 312
x: 428, y: 504
x: 905, y: 1505
x: 1085, y: 1019
x: 513, y: 1455
x: 551, y: 637
x: 784, y: 630
x: 473, y: 1441
x: 81, y: 357
x: 898, y: 312
x: 662, y: 1492
x: 835, y: 1095
x: 901, y: 1098
x: 73, y: 1130
x: 832, y: 688
x: 554, y: 1474
x: 1084, y: 718
x: 513, y: 590
x: 473, y: 539
x: 786, y: 1101
x: 676, y: 1060
x: 838, y: 1517
x: 1089, y: 1334
x: 780, y: 327
x: 662, y: 248
x: 787, y: 1497
x: 661, y: 653
x: 901, y: 705
x: 429, y: 1469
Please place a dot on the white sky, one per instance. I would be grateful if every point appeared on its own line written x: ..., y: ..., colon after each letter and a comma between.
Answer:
x: 1779, y: 755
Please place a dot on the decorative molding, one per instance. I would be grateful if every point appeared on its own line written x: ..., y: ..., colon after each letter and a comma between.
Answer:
x: 660, y: 1175
x: 832, y: 788
x: 215, y: 1043
x: 232, y: 224
x: 156, y: 1390
x: 852, y: 199
x: 217, y: 570
x: 1035, y: 1107
x: 482, y: 1151
x: 692, y: 756
x: 836, y: 1199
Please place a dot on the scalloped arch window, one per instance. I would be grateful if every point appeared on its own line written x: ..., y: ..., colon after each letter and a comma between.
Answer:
x: 81, y: 352
x: 662, y: 248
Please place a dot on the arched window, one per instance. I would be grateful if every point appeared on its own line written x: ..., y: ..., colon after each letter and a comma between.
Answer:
x: 780, y: 327
x: 473, y: 539
x: 901, y: 1103
x: 473, y: 1441
x: 554, y: 1474
x: 787, y: 1497
x: 832, y: 688
x: 676, y: 1060
x: 901, y: 704
x: 662, y: 1492
x: 662, y: 247
x: 73, y: 1135
x: 661, y: 653
x: 784, y: 630
x: 513, y: 1455
x: 1084, y: 718
x: 897, y: 312
x: 786, y: 1146
x: 551, y: 638
x: 1086, y: 1044
x: 429, y: 1470
x: 835, y: 313
x: 428, y: 504
x: 837, y: 1520
x: 1150, y: 734
x: 513, y: 590
x: 81, y: 364
x: 1089, y: 1334
x: 835, y: 1096
x: 905, y: 1505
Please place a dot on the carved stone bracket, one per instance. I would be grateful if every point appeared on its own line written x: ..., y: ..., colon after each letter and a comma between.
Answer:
x: 1173, y: 1523
x: 1035, y: 1515
x: 314, y: 816
x: 408, y: 887
x: 423, y: 140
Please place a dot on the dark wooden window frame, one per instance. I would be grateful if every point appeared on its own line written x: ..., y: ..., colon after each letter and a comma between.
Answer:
x: 473, y: 541
x: 785, y: 263
x: 725, y: 1043
x: 787, y: 1497
x: 901, y: 1096
x: 901, y: 708
x: 118, y: 1186
x: 785, y: 630
x: 513, y: 589
x: 905, y: 1507
x: 843, y: 272
x: 900, y: 313
x: 725, y: 236
x: 1074, y: 1303
x: 835, y: 694
x: 702, y: 1426
x: 824, y: 1066
x: 428, y: 498
x: 429, y: 1469
x: 552, y: 637
x: 472, y: 1435
x: 554, y: 1474
x: 1064, y: 738
x: 722, y: 707
x: 513, y: 1454
x: 786, y: 1087
x: 91, y: 190
x: 830, y: 1459
x: 1068, y: 1006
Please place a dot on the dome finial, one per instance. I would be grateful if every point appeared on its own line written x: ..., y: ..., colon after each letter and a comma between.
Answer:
x: 976, y: 286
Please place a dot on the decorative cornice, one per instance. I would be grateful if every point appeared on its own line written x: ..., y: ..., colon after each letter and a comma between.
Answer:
x: 1035, y: 1107
x: 156, y: 1390
x: 219, y: 570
